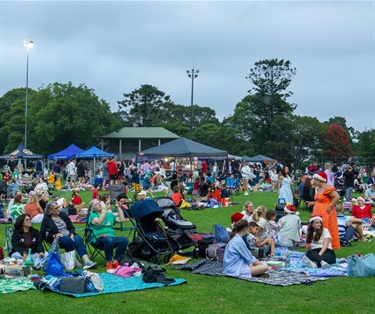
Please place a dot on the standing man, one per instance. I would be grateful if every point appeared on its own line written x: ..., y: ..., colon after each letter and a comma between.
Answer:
x: 112, y: 170
x: 39, y: 167
x: 71, y: 172
x: 11, y: 164
x: 204, y: 168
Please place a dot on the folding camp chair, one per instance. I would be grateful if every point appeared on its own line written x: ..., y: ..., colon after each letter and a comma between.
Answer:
x: 8, y: 240
x: 89, y: 238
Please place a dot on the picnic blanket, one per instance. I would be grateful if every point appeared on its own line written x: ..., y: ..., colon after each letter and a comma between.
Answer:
x: 276, y: 277
x: 14, y: 285
x: 340, y: 268
x: 115, y: 284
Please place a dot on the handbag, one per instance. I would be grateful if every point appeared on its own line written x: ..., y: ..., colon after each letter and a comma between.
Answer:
x: 76, y: 285
x: 361, y: 266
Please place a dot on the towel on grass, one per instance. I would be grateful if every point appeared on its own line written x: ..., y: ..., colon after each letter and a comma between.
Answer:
x: 14, y: 285
x: 115, y: 284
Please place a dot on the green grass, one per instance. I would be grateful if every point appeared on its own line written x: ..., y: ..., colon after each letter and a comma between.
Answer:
x: 204, y: 294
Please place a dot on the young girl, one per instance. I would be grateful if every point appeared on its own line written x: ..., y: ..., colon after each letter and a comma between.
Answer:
x: 263, y: 237
x: 272, y: 226
x: 196, y: 188
x: 238, y: 261
x: 319, y: 238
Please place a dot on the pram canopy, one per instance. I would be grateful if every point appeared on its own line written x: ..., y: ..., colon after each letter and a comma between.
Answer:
x: 147, y: 208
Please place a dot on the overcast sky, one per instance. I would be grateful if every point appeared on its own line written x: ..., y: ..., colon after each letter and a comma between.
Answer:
x: 114, y: 47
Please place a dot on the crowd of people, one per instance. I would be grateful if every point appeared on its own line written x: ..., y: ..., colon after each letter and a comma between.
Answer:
x: 255, y: 231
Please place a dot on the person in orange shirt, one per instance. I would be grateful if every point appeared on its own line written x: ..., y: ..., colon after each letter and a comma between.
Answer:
x: 324, y: 203
x: 177, y: 197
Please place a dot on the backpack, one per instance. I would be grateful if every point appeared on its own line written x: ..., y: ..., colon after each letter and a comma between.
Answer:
x: 220, y: 234
x: 203, y: 245
x: 215, y: 252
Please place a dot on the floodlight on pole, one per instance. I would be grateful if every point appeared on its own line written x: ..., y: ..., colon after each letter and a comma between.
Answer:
x: 192, y: 74
x: 28, y: 44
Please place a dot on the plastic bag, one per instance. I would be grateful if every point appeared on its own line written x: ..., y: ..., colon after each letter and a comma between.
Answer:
x: 54, y: 266
x: 69, y: 260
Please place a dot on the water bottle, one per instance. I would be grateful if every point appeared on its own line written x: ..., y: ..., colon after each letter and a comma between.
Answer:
x: 261, y: 253
x: 287, y: 261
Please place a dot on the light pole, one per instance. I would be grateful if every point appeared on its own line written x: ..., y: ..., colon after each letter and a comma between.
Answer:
x: 193, y: 74
x: 28, y: 44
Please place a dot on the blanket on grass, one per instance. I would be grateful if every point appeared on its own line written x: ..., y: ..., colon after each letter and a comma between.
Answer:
x: 115, y: 284
x: 14, y: 285
x: 277, y: 277
x: 340, y: 268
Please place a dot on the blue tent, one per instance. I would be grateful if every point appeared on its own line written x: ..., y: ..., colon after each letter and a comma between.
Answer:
x: 21, y: 152
x: 93, y: 152
x: 67, y: 153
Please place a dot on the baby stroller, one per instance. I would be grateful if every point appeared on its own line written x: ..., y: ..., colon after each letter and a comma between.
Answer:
x: 150, y: 239
x: 177, y: 226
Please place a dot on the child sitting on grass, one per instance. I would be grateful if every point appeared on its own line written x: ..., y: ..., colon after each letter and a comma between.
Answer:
x: 263, y: 238
x: 272, y: 226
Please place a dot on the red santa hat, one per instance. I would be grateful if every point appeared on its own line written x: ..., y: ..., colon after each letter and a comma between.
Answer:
x: 236, y: 217
x: 315, y: 217
x: 321, y: 176
x: 290, y: 209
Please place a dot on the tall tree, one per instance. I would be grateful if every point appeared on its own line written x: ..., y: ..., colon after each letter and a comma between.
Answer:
x: 308, y: 136
x: 365, y: 147
x: 12, y: 118
x: 263, y: 117
x: 337, y: 142
x: 145, y: 106
x: 59, y: 115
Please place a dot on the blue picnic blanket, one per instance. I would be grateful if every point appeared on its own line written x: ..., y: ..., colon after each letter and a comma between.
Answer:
x: 115, y: 284
x: 297, y: 265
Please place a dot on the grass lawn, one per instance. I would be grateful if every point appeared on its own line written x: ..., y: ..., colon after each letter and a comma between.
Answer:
x: 204, y: 294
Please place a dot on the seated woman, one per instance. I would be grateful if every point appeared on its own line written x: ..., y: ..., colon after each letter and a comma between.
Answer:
x: 17, y: 208
x: 25, y: 237
x: 57, y: 225
x: 44, y: 199
x: 41, y: 187
x: 319, y: 238
x: 102, y: 220
x: 362, y: 210
x: 238, y: 261
x: 34, y: 210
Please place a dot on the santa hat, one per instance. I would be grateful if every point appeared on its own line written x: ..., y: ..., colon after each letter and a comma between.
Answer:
x: 290, y: 209
x: 236, y: 217
x: 315, y: 217
x: 321, y: 176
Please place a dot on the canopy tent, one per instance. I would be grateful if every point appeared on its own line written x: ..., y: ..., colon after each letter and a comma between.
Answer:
x: 67, y: 153
x: 93, y: 152
x: 183, y: 147
x: 261, y: 158
x: 245, y: 158
x: 21, y: 152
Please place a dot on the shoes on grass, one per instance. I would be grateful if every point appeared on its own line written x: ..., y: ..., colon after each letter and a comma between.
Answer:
x: 89, y: 264
x: 309, y: 263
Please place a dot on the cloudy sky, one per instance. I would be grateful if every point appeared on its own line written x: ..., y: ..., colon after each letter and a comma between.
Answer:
x: 114, y: 47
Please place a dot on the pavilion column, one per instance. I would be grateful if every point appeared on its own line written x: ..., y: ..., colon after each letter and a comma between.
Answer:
x: 120, y: 147
x: 101, y: 144
x: 139, y: 145
x: 159, y: 142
